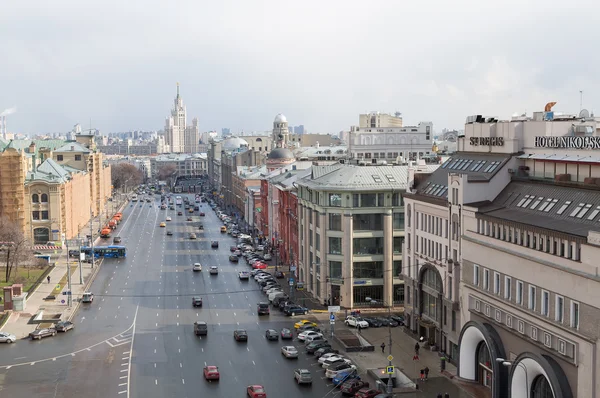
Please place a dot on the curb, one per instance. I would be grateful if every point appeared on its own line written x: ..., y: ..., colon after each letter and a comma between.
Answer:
x: 85, y: 288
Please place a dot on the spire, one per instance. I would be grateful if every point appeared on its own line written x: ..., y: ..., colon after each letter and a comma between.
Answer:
x: 177, y: 89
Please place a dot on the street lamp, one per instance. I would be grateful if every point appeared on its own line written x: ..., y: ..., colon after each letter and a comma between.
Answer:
x: 509, y: 364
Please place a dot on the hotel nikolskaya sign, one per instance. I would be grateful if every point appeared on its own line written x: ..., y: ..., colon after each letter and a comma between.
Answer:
x: 486, y: 141
x: 568, y: 142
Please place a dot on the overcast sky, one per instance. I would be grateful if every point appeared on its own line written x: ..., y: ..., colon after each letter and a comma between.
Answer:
x: 321, y: 63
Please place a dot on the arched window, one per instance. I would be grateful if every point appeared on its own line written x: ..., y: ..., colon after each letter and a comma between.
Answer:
x: 432, y: 280
x: 483, y: 355
x: 44, y: 198
x: 35, y: 198
x: 540, y: 388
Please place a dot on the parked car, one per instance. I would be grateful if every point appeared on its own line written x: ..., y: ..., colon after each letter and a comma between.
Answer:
x: 256, y: 391
x: 7, y: 338
x: 351, y: 387
x: 356, y: 322
x: 64, y: 326
x: 367, y: 393
x: 39, y: 334
x: 234, y: 259
x: 302, y: 376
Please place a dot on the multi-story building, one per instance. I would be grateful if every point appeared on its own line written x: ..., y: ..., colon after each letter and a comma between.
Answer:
x: 235, y: 153
x: 194, y: 165
x: 127, y: 149
x: 253, y: 209
x: 288, y: 215
x: 179, y: 137
x: 309, y: 140
x: 243, y: 178
x: 351, y: 227
x: 383, y: 137
x: 322, y: 153
x: 513, y: 216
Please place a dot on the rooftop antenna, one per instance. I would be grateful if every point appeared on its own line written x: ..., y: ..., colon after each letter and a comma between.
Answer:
x: 580, y: 100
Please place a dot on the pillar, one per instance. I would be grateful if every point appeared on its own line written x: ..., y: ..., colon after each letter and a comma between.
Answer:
x: 388, y: 258
x: 346, y: 292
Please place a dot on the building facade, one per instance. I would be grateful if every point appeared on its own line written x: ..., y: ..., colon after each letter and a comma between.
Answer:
x: 194, y: 165
x: 179, y: 137
x: 519, y: 204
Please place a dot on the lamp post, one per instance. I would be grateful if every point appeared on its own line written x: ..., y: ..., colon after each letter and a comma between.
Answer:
x: 509, y: 364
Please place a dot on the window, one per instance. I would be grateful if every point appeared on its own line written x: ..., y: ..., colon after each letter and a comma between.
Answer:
x: 398, y: 242
x: 583, y: 211
x: 318, y: 242
x: 507, y: 287
x: 531, y: 299
x: 594, y: 213
x: 367, y: 222
x: 496, y: 283
x: 575, y: 314
x: 44, y: 198
x: 367, y: 270
x: 519, y: 292
x: 44, y: 214
x: 335, y: 200
x: 77, y: 157
x: 450, y: 289
x: 317, y: 220
x: 35, y: 215
x: 59, y: 158
x: 397, y: 264
x: 367, y: 246
x: 355, y: 200
x: 35, y: 198
x: 545, y: 303
x: 398, y: 221
x: 522, y: 201
x: 335, y: 222
x: 335, y: 245
x: 574, y: 212
x: 335, y: 269
x: 397, y: 200
x: 551, y: 205
x: 536, y: 203
x: 559, y: 309
x: 486, y: 279
x: 564, y: 207
x: 476, y: 274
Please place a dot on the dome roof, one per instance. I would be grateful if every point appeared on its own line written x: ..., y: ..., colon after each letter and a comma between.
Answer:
x: 280, y: 118
x: 233, y: 143
x: 280, y: 153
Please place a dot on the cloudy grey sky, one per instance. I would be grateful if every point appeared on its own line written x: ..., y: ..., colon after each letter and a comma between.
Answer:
x: 321, y: 63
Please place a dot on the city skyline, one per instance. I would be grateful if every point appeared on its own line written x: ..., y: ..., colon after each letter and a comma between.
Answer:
x: 229, y: 59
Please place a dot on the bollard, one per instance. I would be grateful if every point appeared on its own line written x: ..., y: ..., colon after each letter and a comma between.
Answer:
x: 443, y: 364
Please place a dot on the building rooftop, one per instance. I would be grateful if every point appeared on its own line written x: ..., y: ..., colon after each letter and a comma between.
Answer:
x: 51, y: 172
x: 313, y: 151
x: 72, y: 147
x: 570, y: 209
x: 347, y: 177
x: 280, y: 153
x: 22, y: 145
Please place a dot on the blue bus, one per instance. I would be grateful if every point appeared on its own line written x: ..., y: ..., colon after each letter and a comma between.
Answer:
x: 106, y: 251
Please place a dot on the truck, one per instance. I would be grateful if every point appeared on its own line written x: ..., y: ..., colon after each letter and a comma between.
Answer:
x: 178, y: 201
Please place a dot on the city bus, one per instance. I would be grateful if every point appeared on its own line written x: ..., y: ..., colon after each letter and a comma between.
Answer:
x: 105, y: 251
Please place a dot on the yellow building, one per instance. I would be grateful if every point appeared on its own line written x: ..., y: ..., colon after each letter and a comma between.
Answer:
x: 52, y: 187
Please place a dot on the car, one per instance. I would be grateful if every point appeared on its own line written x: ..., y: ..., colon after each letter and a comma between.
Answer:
x: 279, y: 275
x: 303, y: 336
x: 373, y: 322
x: 234, y: 259
x: 263, y: 308
x: 304, y: 322
x: 169, y: 233
x: 295, y: 310
x: 351, y: 387
x: 202, y: 214
x: 271, y: 335
x: 38, y: 334
x: 214, y: 270
x: 356, y: 322
x: 334, y: 361
x: 168, y: 218
x: 7, y: 338
x: 240, y: 335
x: 117, y: 239
x: 259, y: 265
x: 171, y: 207
x: 286, y: 334
x: 193, y: 236
x: 162, y: 224
x: 289, y: 351
x: 325, y: 350
x: 214, y: 244
x: 325, y: 357
x: 332, y: 371
x: 189, y: 219
x: 344, y: 376
x: 232, y: 248
x: 211, y: 372
x: 267, y: 257
x: 197, y: 267
x: 302, y: 376
x: 200, y: 328
x: 180, y: 213
x: 314, y: 346
x: 201, y: 227
x: 306, y: 328
x: 367, y: 393
x: 87, y: 297
x: 244, y: 275
x: 197, y: 301
x: 64, y: 326
x: 256, y: 391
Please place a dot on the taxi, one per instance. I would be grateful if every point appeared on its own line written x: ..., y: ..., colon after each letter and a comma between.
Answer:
x: 304, y: 322
x: 163, y: 224
x: 223, y: 229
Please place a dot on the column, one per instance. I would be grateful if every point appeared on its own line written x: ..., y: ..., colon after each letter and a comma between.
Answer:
x: 325, y: 291
x: 388, y: 258
x: 346, y: 291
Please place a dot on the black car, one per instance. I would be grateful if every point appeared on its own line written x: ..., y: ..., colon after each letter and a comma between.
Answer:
x: 214, y: 244
x: 64, y: 326
x: 240, y: 335
x: 296, y: 310
x: 117, y: 239
x: 201, y: 227
x: 312, y: 347
x: 73, y: 253
x: 286, y: 334
x: 279, y: 275
x: 263, y: 309
x: 170, y: 233
x: 234, y: 259
x: 325, y: 350
x: 373, y: 322
x: 197, y: 301
x: 271, y: 334
x: 180, y: 213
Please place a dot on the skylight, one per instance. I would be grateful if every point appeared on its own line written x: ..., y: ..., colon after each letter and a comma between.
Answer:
x: 536, y: 203
x: 520, y: 204
x: 446, y: 163
x: 574, y: 212
x: 377, y: 179
x: 594, y: 213
x: 494, y: 167
x: 477, y: 168
x: 564, y: 207
x: 551, y: 205
x: 584, y: 210
x: 546, y: 203
x: 477, y: 163
x: 390, y: 178
x: 528, y: 201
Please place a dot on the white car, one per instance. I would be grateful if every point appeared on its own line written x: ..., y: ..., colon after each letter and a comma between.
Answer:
x: 323, y: 357
x: 331, y: 360
x: 356, y: 322
x: 267, y: 257
x: 302, y: 336
x: 289, y: 351
x: 274, y: 290
x: 260, y: 248
x: 7, y: 338
x: 330, y: 373
x: 214, y: 270
x: 244, y: 275
x: 168, y: 218
x: 197, y: 267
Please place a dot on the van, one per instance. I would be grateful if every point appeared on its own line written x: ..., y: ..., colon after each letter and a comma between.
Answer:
x: 200, y: 328
x: 274, y: 295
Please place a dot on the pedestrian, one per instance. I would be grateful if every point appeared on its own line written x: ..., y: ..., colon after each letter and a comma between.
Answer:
x: 48, y: 278
x: 426, y: 373
x: 422, y: 374
x: 383, y: 348
x: 439, y: 395
x: 416, y: 356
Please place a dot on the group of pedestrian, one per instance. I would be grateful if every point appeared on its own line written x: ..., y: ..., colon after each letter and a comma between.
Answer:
x: 424, y: 373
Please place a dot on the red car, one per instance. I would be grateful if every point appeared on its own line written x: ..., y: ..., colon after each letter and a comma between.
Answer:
x: 366, y: 393
x: 202, y: 214
x: 211, y: 373
x: 259, y: 265
x: 256, y: 392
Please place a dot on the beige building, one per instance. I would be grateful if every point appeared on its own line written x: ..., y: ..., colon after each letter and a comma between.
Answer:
x: 513, y: 216
x: 316, y: 140
x: 53, y: 188
x: 379, y: 120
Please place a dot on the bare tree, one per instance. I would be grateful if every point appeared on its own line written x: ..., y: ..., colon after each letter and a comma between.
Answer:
x: 167, y: 172
x: 125, y: 175
x: 14, y: 245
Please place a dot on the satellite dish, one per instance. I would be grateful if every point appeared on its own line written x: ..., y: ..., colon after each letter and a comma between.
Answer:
x: 584, y: 114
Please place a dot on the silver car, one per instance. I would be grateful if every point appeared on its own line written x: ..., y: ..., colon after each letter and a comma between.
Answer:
x: 7, y: 338
x: 302, y: 376
x: 289, y: 351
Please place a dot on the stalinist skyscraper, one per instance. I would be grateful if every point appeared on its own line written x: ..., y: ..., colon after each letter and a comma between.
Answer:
x: 179, y: 137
